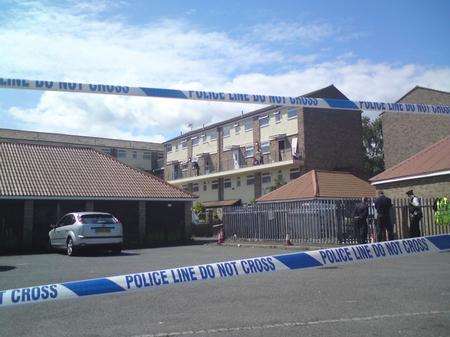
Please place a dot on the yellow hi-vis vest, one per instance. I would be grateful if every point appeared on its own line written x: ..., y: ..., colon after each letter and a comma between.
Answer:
x: 442, y: 214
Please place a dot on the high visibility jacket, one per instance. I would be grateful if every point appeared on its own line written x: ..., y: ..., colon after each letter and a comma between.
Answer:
x: 442, y: 214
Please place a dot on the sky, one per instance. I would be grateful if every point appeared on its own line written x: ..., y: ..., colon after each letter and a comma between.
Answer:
x: 370, y: 50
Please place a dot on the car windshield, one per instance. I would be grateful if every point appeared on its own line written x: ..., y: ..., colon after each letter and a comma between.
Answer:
x: 97, y: 219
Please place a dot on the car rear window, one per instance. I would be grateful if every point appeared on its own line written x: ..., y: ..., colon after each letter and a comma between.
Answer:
x: 98, y: 219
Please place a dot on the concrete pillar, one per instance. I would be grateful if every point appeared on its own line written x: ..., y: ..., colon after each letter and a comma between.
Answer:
x: 27, y: 229
x: 187, y: 219
x: 89, y: 206
x: 142, y: 221
x: 220, y: 158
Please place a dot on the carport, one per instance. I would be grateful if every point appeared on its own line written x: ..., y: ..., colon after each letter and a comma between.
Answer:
x: 39, y: 184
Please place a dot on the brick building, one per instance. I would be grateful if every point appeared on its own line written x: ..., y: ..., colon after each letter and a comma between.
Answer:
x: 41, y: 183
x: 405, y: 134
x: 241, y: 158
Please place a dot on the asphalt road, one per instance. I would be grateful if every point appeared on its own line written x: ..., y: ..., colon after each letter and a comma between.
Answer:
x: 408, y: 296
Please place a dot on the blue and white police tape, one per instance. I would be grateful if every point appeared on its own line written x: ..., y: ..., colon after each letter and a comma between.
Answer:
x: 222, y: 270
x: 211, y: 96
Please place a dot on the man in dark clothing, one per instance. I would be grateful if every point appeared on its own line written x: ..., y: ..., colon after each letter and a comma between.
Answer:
x: 360, y: 215
x: 383, y: 206
x: 415, y: 214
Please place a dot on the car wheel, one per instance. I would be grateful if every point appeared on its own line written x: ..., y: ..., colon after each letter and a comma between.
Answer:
x: 70, y: 249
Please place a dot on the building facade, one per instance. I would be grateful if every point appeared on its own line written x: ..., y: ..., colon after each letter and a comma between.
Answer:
x: 246, y: 156
x: 146, y: 156
x: 405, y: 134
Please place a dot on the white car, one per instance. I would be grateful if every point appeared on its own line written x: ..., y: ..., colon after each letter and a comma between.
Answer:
x: 86, y: 229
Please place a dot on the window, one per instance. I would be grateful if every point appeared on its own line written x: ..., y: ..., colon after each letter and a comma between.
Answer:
x: 292, y: 113
x: 248, y: 125
x: 238, y: 181
x: 121, y: 154
x: 160, y: 155
x: 107, y: 151
x: 147, y: 156
x: 265, y: 147
x: 176, y: 146
x: 250, y: 180
x: 205, y: 187
x: 213, y: 135
x: 266, y: 178
x: 277, y: 115
x: 227, y: 183
x: 249, y: 151
x: 169, y: 147
x: 194, y: 187
x: 294, y: 173
x: 184, y: 144
x: 215, y: 184
x: 134, y: 155
x: 204, y: 138
x: 195, y: 141
x: 226, y: 131
x: 237, y: 128
x: 264, y: 121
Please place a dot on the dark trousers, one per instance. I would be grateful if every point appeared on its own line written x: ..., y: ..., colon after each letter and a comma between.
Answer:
x: 361, y: 230
x: 414, y: 227
x: 384, y: 225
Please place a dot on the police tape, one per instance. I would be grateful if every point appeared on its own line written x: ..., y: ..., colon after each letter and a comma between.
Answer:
x: 223, y: 270
x: 300, y: 101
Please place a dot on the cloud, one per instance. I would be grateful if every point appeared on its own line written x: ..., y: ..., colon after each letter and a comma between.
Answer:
x: 82, y: 44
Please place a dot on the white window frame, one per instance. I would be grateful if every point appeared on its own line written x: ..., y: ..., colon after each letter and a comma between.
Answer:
x: 246, y: 123
x: 226, y: 131
x: 147, y: 155
x: 268, y: 147
x: 169, y: 148
x: 292, y: 117
x: 204, y: 138
x: 237, y: 128
x: 213, y: 135
x: 215, y: 183
x: 249, y: 148
x: 124, y: 152
x: 266, y: 117
x: 195, y: 187
x: 184, y: 144
x: 251, y: 179
x: 226, y: 182
x: 195, y: 141
x: 265, y: 175
x: 277, y: 116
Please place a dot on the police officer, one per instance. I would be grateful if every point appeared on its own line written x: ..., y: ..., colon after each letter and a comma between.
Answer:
x: 415, y: 214
x: 383, y: 206
x: 360, y: 215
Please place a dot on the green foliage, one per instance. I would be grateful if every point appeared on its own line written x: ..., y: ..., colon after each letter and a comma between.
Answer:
x: 200, y: 210
x: 372, y: 139
x: 278, y: 182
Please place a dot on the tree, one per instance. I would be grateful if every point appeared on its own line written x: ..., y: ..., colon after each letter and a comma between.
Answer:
x: 372, y: 139
x: 278, y: 182
x: 200, y: 210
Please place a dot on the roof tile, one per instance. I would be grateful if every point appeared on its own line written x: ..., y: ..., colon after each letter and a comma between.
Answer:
x: 29, y: 170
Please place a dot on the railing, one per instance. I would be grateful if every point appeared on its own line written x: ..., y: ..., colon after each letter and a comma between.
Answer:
x: 318, y: 221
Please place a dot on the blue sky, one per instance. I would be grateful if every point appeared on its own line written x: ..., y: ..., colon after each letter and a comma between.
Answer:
x: 371, y: 50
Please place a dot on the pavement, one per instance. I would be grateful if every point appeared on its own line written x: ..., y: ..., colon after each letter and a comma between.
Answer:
x: 408, y: 296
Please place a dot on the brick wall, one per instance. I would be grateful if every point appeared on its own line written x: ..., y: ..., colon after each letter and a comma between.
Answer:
x: 405, y: 134
x: 332, y: 140
x: 426, y: 187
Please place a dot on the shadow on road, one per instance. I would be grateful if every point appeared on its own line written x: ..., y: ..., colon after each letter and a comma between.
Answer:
x: 6, y: 268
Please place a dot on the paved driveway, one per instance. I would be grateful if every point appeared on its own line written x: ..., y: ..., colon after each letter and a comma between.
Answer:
x: 399, y: 297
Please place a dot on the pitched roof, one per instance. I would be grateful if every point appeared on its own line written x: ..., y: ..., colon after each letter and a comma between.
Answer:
x: 221, y: 203
x: 443, y: 95
x: 41, y: 171
x: 433, y: 159
x: 328, y: 92
x: 321, y: 184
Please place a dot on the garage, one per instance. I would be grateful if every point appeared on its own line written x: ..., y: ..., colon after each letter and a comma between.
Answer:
x: 39, y: 184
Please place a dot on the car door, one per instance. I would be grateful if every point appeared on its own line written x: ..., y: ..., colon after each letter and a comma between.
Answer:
x: 59, y: 237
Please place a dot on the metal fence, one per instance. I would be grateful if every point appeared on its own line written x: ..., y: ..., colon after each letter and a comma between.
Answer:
x: 318, y: 221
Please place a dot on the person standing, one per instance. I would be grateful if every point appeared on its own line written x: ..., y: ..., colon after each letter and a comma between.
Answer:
x: 383, y: 206
x: 415, y: 214
x: 360, y: 215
